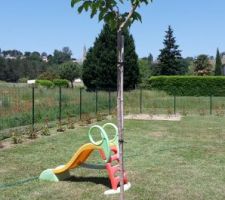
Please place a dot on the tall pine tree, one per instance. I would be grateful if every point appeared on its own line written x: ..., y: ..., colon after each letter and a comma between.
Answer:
x: 100, y: 66
x: 170, y: 56
x: 218, y: 68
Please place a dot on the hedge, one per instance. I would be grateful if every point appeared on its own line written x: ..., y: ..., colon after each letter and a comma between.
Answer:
x: 189, y: 85
x: 61, y: 82
x: 45, y: 83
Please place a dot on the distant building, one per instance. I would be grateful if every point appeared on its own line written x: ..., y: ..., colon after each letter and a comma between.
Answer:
x: 44, y: 59
x: 78, y: 82
x: 74, y: 60
x: 10, y: 57
x: 84, y: 53
x: 223, y: 59
x: 81, y: 60
x: 22, y: 57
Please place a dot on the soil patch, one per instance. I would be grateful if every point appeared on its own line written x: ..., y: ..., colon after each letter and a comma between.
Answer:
x: 153, y: 117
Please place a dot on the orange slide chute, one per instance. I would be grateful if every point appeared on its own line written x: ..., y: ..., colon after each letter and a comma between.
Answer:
x: 78, y: 158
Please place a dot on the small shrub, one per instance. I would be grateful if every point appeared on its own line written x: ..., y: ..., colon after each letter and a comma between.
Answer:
x: 45, y: 83
x: 219, y: 111
x: 101, y: 117
x: 169, y: 111
x: 32, y: 134
x: 184, y: 112
x: 61, y: 82
x: 202, y: 112
x: 70, y: 122
x: 60, y: 126
x: 85, y: 120
x: 16, y: 139
x: 45, y: 130
x: 223, y: 106
x: 114, y: 112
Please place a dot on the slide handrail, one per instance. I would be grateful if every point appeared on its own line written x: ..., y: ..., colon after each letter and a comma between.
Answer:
x: 113, y: 141
x: 104, y: 142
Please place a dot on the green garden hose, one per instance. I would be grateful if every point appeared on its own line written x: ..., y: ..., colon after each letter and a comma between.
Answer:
x: 20, y: 182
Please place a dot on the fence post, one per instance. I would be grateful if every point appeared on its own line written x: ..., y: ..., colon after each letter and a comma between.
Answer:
x: 140, y: 99
x: 96, y: 102
x: 80, y: 103
x: 174, y: 104
x: 211, y: 105
x: 33, y: 108
x: 109, y: 102
x: 60, y: 103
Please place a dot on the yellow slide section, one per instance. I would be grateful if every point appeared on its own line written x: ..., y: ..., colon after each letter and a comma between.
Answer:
x: 78, y: 158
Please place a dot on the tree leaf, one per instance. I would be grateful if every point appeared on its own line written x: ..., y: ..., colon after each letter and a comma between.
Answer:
x: 80, y: 9
x: 137, y: 16
x: 73, y: 2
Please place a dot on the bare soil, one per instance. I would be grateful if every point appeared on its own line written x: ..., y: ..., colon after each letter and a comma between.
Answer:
x: 153, y: 117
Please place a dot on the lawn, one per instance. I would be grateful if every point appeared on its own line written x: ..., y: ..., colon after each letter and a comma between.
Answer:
x: 164, y: 160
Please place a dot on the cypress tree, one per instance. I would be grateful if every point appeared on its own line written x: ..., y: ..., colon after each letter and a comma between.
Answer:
x: 100, y: 66
x: 218, y: 68
x: 170, y: 56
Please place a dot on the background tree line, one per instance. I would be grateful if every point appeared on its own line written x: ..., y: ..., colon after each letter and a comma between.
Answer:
x: 99, y: 68
x: 16, y: 66
x: 171, y: 62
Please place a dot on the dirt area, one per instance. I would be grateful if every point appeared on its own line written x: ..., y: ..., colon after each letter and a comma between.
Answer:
x: 153, y: 117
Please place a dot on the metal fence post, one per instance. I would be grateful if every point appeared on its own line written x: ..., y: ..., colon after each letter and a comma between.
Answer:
x: 140, y: 100
x: 109, y: 102
x: 60, y: 103
x: 96, y: 102
x: 210, y: 105
x: 80, y: 103
x: 33, y: 108
x: 174, y: 104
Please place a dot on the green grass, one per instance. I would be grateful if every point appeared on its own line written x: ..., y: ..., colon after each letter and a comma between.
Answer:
x: 164, y: 160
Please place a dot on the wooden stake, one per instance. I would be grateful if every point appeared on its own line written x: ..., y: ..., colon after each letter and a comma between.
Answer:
x: 120, y: 110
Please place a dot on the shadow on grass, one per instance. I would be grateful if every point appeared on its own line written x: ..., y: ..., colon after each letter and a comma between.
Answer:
x: 97, y: 180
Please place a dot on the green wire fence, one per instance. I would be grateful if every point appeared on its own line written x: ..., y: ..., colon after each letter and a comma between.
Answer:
x: 22, y: 106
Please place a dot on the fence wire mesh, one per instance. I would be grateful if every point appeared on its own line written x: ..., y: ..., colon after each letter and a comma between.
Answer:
x: 54, y: 104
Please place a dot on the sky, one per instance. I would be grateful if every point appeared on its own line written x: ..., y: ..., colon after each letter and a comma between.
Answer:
x: 46, y: 25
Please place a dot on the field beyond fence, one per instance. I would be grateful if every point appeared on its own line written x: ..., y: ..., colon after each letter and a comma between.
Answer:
x: 20, y: 106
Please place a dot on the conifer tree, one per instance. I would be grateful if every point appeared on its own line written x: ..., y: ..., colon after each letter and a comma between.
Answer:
x: 218, y: 68
x: 170, y: 55
x: 99, y: 68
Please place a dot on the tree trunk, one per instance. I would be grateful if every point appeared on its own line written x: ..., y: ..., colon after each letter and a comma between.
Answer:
x: 71, y: 84
x: 120, y: 120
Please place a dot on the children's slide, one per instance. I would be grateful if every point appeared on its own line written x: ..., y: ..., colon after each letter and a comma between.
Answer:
x: 108, y: 150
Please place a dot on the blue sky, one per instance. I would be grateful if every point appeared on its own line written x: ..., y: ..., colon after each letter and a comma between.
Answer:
x: 45, y: 25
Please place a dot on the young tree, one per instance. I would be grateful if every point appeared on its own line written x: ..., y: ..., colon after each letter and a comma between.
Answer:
x: 170, y: 56
x: 218, y: 67
x: 144, y: 69
x: 99, y: 68
x: 48, y: 75
x: 109, y: 12
x: 60, y: 57
x: 69, y: 71
x: 202, y: 65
